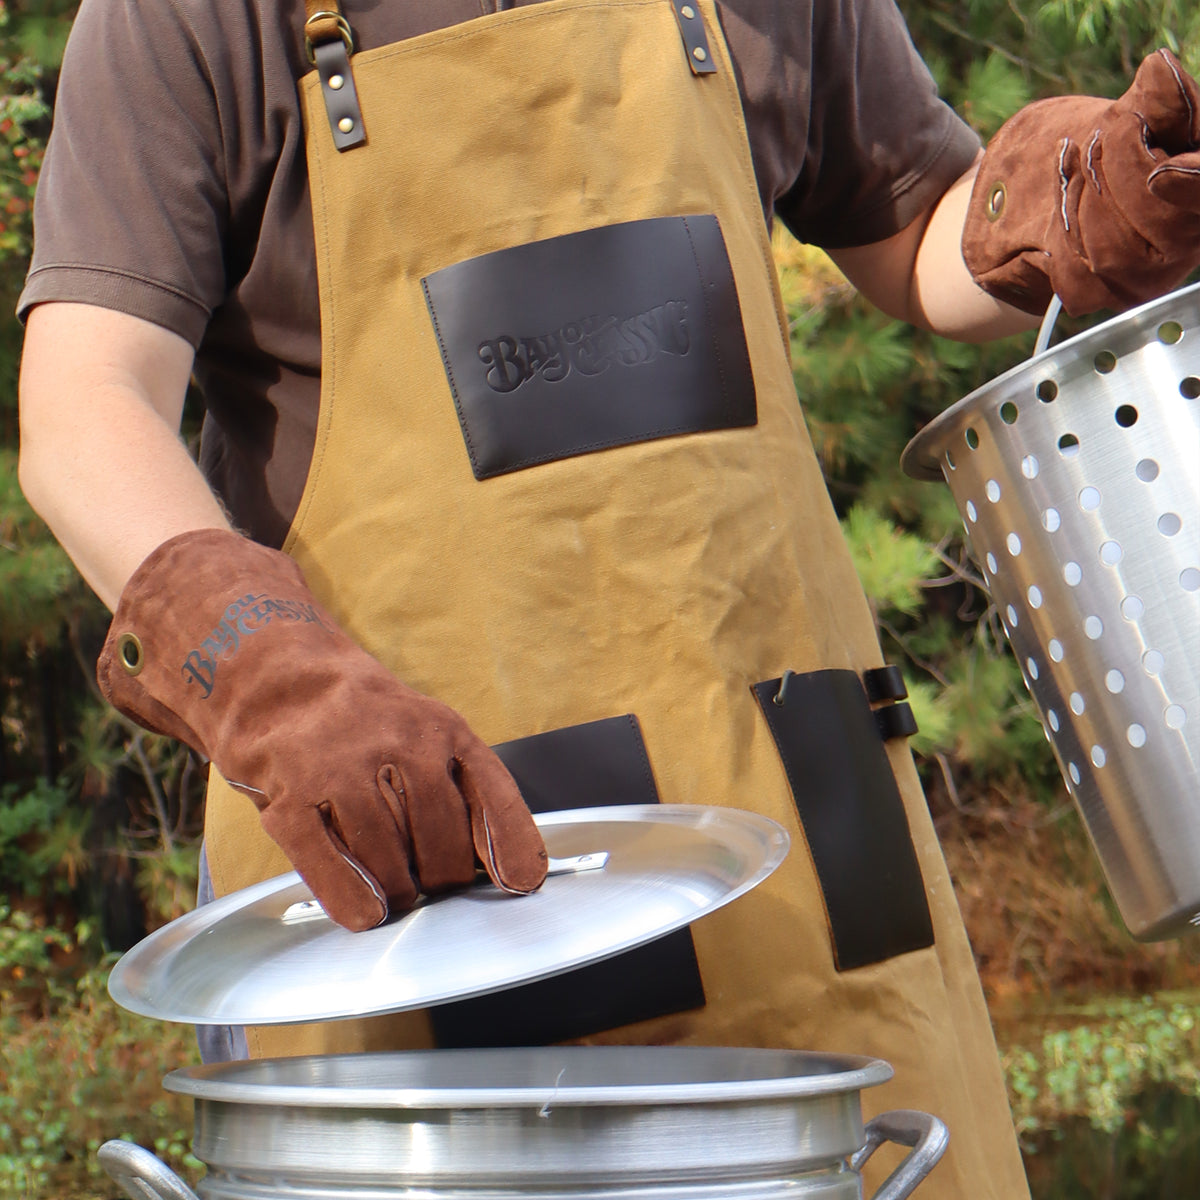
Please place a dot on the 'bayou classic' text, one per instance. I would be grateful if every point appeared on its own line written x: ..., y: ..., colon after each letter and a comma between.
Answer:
x: 589, y: 346
x: 242, y: 618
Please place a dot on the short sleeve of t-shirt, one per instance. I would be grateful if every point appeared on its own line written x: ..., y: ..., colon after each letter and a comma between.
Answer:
x: 172, y: 116
x: 175, y: 186
x: 845, y: 120
x: 132, y: 203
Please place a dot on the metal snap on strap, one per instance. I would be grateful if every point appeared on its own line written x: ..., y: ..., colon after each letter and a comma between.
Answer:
x: 996, y: 199
x: 129, y: 651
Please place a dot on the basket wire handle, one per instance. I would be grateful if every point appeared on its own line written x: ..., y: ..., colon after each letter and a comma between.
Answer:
x: 1046, y: 332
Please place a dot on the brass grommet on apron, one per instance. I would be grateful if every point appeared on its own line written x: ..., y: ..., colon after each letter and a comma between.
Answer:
x: 130, y: 653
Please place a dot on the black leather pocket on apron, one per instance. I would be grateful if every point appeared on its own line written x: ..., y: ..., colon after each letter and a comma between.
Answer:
x: 853, y: 816
x: 581, y: 766
x: 578, y: 343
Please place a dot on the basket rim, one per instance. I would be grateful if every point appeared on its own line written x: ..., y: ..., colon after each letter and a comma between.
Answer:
x: 920, y: 460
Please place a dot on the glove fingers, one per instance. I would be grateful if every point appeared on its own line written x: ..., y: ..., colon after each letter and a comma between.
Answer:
x: 347, y: 892
x: 372, y: 825
x: 1167, y: 99
x: 428, y: 802
x: 507, y: 840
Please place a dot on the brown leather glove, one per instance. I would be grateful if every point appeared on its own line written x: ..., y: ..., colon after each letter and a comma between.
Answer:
x: 1095, y: 200
x: 375, y: 792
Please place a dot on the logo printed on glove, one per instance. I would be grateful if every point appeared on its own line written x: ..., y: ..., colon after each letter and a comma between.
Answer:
x: 242, y: 618
x: 589, y: 346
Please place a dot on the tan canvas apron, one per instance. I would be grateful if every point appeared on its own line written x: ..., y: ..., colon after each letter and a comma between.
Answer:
x: 661, y: 578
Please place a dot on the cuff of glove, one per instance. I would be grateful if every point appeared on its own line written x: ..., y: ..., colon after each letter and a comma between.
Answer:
x: 148, y: 654
x: 1019, y: 242
x: 1095, y: 200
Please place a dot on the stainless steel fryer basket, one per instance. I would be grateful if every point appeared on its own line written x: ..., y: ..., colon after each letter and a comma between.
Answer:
x: 1077, y: 475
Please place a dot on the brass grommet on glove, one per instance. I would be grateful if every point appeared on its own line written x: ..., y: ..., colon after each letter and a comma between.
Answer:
x: 997, y: 197
x: 129, y: 651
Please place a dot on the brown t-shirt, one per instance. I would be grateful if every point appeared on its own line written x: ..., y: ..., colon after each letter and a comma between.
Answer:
x: 175, y: 186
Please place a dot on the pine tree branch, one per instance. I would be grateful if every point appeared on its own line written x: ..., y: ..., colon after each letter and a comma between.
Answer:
x: 951, y: 27
x: 152, y: 786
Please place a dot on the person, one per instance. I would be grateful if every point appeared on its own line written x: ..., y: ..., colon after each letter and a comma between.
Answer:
x: 502, y: 462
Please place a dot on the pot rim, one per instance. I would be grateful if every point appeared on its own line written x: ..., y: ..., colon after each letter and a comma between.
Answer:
x: 775, y: 1075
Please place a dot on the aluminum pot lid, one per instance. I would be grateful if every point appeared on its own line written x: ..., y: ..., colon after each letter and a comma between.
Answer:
x: 621, y: 876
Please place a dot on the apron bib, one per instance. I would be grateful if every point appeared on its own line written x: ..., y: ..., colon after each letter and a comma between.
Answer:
x: 562, y: 483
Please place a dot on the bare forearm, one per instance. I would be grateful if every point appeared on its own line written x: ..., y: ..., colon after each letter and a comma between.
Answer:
x: 101, y: 460
x: 919, y: 276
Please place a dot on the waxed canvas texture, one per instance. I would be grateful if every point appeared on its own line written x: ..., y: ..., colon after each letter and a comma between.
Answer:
x: 662, y: 578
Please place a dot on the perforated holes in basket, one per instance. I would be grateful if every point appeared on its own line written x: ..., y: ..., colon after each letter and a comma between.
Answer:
x: 1147, y: 470
x: 1068, y: 445
x: 1153, y: 662
x: 1111, y: 553
x: 1089, y: 499
x: 1030, y: 467
x: 1014, y: 544
x: 1189, y: 387
x: 1105, y: 362
x: 1189, y: 579
x: 1093, y: 628
x: 1175, y: 716
x: 1047, y: 391
x: 1009, y: 413
x: 1051, y: 520
x: 1169, y: 524
x: 1072, y: 573
x: 1132, y: 608
x: 1126, y: 416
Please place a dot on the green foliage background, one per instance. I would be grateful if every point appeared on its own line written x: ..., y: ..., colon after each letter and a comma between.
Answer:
x: 99, y: 821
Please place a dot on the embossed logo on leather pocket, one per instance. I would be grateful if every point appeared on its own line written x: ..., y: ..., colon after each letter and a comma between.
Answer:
x: 596, y: 339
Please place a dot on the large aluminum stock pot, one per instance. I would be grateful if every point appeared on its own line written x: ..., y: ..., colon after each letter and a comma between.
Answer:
x: 574, y: 1123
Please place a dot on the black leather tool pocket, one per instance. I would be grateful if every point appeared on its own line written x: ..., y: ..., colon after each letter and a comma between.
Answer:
x: 591, y: 340
x: 582, y: 766
x: 831, y: 744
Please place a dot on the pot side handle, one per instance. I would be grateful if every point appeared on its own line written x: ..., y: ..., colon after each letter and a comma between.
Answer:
x: 925, y: 1134
x: 140, y: 1174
